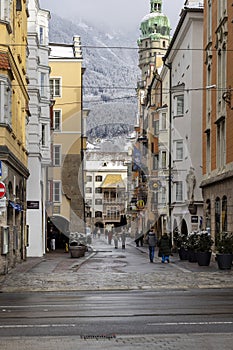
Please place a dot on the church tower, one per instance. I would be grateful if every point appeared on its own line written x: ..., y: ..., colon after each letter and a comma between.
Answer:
x: 155, y: 37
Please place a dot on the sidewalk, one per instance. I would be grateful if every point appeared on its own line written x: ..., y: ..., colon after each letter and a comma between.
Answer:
x: 58, y: 272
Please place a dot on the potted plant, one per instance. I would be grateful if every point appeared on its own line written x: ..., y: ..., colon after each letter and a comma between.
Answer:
x: 180, y: 241
x: 192, y: 244
x: 204, y: 248
x: 224, y: 248
x: 77, y: 244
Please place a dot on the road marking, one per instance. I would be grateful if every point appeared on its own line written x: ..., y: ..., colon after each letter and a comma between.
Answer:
x: 189, y: 323
x: 37, y: 325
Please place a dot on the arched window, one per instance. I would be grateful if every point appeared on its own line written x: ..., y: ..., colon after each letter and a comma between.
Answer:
x: 224, y: 214
x: 98, y: 214
x: 217, y: 217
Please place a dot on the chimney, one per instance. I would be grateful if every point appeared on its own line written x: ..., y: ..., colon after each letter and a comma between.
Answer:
x: 77, y: 47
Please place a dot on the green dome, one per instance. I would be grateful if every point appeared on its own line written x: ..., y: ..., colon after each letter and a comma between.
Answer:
x: 155, y: 25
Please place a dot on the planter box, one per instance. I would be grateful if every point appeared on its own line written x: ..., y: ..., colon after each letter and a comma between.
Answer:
x: 77, y: 251
x: 203, y: 258
x: 224, y: 261
x: 192, y: 256
x: 183, y: 254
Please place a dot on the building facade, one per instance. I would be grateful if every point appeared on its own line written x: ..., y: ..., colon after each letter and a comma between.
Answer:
x: 106, y: 195
x: 217, y: 181
x: 153, y: 43
x: 184, y: 58
x: 38, y: 128
x: 66, y: 210
x: 14, y: 116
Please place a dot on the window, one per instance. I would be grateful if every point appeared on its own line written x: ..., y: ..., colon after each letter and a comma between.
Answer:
x: 98, y: 178
x: 209, y: 20
x: 179, y: 105
x: 164, y: 121
x: 56, y: 191
x: 55, y: 87
x: 5, y: 10
x: 156, y: 127
x: 88, y: 190
x: 221, y: 144
x: 89, y: 202
x: 155, y: 162
x: 179, y: 191
x: 164, y: 160
x: 89, y: 178
x: 56, y: 155
x: 222, y: 8
x: 208, y: 161
x: 179, y: 150
x: 42, y: 84
x: 5, y: 102
x: 41, y: 35
x: 163, y: 196
x: 43, y: 135
x: 224, y: 214
x: 57, y: 120
x: 155, y: 197
x: 98, y: 201
x: 18, y: 5
x: 98, y: 190
x: 98, y: 214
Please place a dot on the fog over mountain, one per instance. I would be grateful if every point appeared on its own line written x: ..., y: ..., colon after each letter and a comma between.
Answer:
x: 111, y: 62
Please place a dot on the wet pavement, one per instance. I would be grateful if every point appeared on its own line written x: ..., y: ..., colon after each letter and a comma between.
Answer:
x: 106, y: 268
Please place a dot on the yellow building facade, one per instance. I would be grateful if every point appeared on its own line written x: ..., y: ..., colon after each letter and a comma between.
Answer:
x: 66, y: 214
x: 14, y: 116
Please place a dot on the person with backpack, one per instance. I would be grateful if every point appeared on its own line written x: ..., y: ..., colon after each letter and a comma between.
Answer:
x: 152, y: 242
x: 165, y: 245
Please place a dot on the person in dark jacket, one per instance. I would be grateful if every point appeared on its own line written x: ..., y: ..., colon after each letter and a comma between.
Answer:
x: 165, y: 245
x: 152, y: 241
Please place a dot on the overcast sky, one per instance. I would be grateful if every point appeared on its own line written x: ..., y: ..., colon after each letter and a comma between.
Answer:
x: 119, y: 14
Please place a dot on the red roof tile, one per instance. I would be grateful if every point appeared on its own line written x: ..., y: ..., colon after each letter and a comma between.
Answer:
x: 4, y: 61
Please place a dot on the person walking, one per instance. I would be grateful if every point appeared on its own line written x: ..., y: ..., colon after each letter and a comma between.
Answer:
x: 116, y: 240
x: 123, y: 239
x: 152, y: 241
x: 165, y: 245
x: 53, y: 240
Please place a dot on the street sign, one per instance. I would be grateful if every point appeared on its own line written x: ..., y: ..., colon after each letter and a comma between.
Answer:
x: 2, y: 189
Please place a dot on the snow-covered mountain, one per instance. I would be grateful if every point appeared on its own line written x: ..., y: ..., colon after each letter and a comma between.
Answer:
x: 111, y: 62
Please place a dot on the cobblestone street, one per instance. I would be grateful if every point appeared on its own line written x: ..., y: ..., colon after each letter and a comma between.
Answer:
x: 58, y: 272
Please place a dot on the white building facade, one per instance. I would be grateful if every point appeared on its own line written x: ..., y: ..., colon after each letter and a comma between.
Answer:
x: 38, y: 129
x: 99, y: 167
x: 184, y: 57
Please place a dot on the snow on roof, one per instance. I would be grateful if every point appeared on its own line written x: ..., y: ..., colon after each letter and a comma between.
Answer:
x: 62, y: 51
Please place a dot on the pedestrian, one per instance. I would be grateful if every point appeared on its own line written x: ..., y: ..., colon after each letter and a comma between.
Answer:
x: 165, y: 245
x: 110, y: 236
x: 53, y: 240
x: 94, y: 232
x: 152, y: 241
x: 116, y: 240
x: 123, y: 239
x: 139, y: 239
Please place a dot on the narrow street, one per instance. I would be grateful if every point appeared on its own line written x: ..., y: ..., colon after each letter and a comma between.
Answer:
x: 107, y: 268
